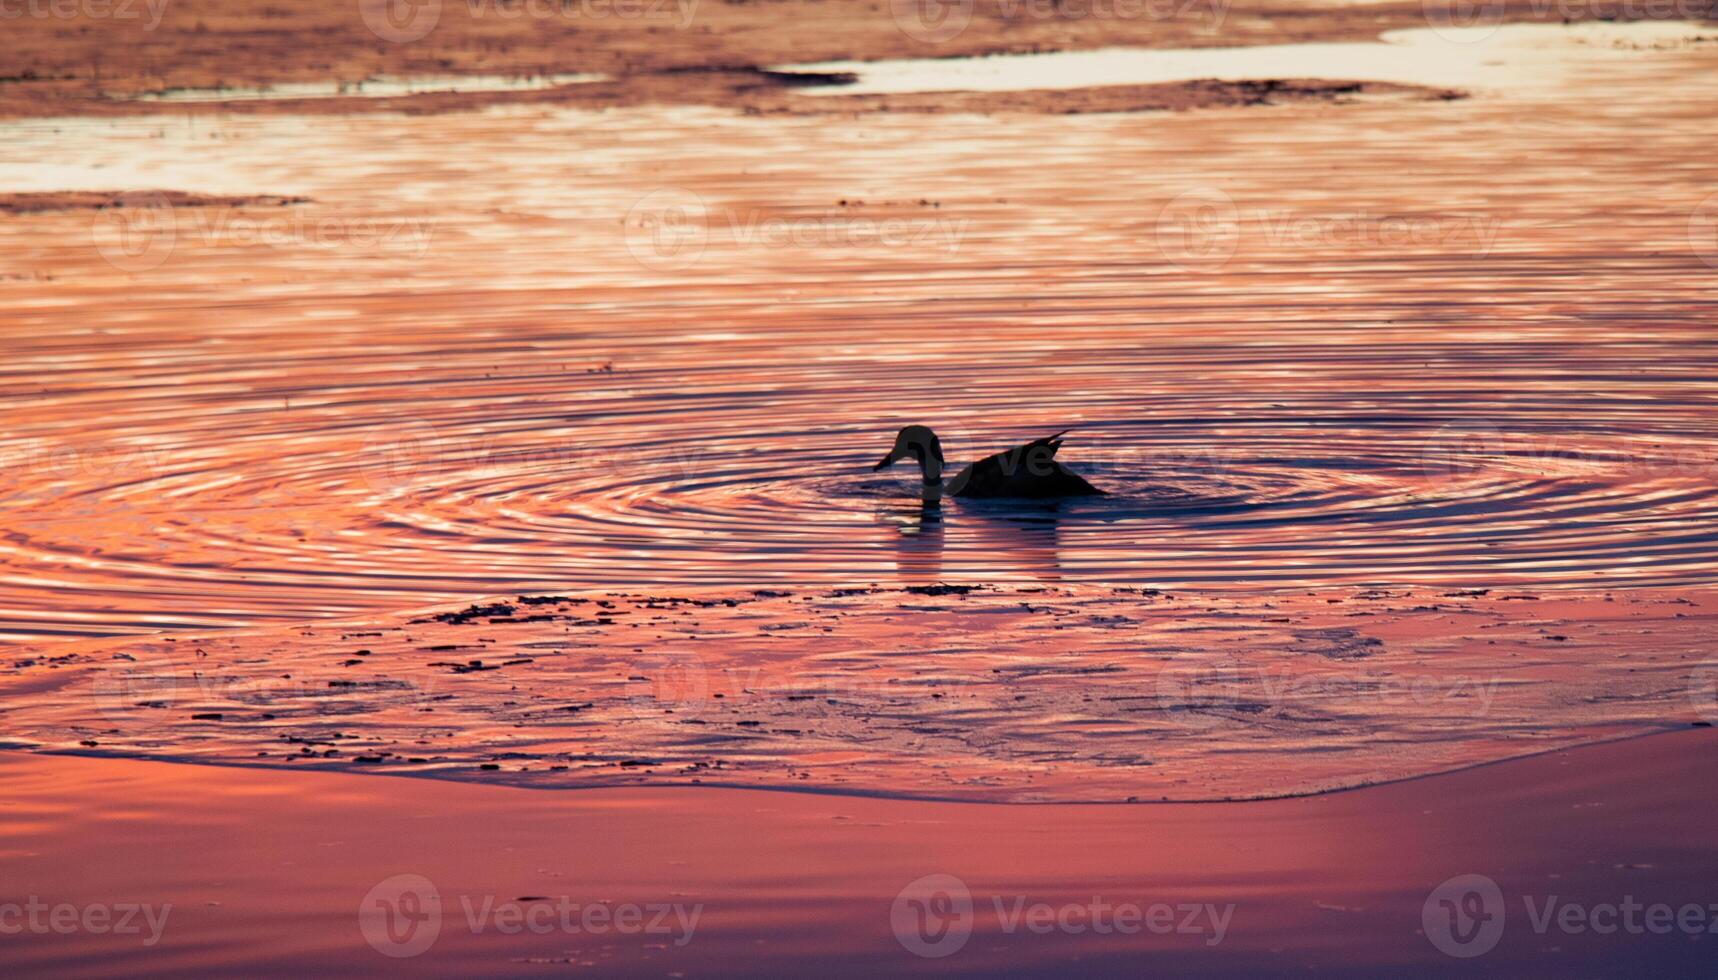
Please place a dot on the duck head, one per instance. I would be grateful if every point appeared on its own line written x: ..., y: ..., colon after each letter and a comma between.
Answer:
x: 919, y: 443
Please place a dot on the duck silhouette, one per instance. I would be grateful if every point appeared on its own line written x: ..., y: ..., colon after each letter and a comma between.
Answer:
x: 1026, y: 471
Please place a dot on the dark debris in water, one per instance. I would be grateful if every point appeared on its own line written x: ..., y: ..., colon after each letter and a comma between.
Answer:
x: 941, y: 589
x: 1016, y: 692
x: 492, y: 610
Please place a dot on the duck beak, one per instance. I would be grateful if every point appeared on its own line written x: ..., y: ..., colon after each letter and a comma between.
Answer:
x: 887, y: 461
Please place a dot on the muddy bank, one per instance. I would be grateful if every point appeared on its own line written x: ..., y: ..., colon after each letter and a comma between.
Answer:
x: 758, y: 91
x: 103, y: 200
x: 94, y: 66
x: 1202, y: 94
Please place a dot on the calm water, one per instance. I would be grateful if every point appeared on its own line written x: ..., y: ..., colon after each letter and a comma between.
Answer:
x: 1490, y: 57
x: 1454, y: 343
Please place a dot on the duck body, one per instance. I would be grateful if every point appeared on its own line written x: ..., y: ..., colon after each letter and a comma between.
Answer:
x: 1028, y: 471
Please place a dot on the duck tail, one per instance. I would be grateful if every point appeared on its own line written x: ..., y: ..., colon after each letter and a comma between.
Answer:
x: 1052, y: 443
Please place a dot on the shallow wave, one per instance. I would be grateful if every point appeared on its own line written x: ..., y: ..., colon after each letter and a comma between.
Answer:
x: 1020, y: 694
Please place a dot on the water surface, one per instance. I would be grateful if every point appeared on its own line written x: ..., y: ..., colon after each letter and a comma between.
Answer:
x: 1459, y: 344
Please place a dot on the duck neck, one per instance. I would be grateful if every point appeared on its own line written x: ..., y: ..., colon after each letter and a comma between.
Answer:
x: 930, y: 473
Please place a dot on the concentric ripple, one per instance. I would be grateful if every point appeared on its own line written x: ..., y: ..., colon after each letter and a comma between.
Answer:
x: 315, y: 423
x: 221, y: 507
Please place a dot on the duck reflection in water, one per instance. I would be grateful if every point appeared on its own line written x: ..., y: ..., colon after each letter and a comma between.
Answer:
x: 918, y: 541
x: 1021, y: 536
x: 1005, y: 538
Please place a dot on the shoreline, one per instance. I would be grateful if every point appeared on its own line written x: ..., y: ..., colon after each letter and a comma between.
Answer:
x: 725, y: 57
x: 863, y: 794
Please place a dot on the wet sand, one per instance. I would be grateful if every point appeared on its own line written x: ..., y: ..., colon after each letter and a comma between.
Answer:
x: 1000, y: 694
x: 266, y: 873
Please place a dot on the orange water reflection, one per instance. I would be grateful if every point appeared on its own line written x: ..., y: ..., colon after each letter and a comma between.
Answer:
x: 1452, y: 343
